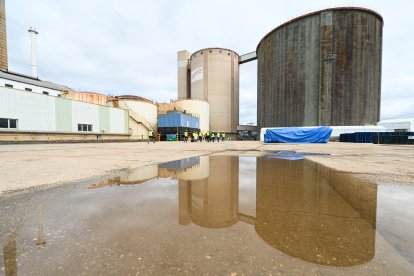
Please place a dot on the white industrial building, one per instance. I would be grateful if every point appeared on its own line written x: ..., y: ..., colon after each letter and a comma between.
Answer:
x: 27, y: 83
x: 24, y: 111
x: 398, y: 125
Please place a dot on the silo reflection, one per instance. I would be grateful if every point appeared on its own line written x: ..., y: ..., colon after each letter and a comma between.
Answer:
x: 211, y: 200
x: 318, y: 215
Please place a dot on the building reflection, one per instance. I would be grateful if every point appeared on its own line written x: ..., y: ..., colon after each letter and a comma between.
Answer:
x: 318, y: 215
x: 302, y: 209
x: 10, y: 255
x: 210, y: 198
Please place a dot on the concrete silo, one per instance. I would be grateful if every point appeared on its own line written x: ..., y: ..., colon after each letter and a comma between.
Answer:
x: 142, y: 114
x: 323, y: 68
x: 212, y: 75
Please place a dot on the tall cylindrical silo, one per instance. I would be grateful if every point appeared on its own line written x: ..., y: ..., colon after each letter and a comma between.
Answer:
x: 214, y: 77
x: 323, y: 68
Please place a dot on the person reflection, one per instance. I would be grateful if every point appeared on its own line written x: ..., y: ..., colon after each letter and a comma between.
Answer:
x: 318, y: 215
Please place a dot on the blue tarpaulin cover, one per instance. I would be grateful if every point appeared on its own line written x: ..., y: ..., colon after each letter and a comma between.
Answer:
x: 298, y: 135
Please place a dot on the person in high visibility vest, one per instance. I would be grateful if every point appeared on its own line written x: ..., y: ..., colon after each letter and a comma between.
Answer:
x: 151, y: 136
x: 195, y: 136
x: 213, y: 136
x: 185, y: 136
x: 223, y: 135
x: 218, y: 136
x: 208, y: 136
x: 200, y: 136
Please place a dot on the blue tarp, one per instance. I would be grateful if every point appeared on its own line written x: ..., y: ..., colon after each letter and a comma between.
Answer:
x: 298, y: 135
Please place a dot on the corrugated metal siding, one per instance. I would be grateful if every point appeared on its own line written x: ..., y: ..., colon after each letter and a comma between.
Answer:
x: 85, y: 113
x: 63, y: 113
x: 104, y: 118
x: 175, y: 119
x: 33, y: 111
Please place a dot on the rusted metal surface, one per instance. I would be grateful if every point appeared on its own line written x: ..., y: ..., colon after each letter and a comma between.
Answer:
x: 321, y: 69
x: 3, y: 37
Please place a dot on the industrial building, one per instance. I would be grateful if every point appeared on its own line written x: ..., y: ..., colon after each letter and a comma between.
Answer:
x: 29, y: 116
x: 212, y: 75
x: 178, y: 116
x: 323, y: 68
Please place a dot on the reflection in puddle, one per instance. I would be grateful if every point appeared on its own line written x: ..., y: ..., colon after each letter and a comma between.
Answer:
x: 202, y: 214
x: 312, y: 213
x: 10, y: 255
x: 211, y: 200
x: 303, y: 209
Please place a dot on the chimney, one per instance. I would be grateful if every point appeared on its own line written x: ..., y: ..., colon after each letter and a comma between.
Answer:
x: 3, y: 38
x: 34, y: 34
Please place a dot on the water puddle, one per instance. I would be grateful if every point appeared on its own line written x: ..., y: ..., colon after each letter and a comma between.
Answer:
x: 215, y: 215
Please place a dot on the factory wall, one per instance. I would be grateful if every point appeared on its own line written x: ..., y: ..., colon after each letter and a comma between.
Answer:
x: 183, y: 75
x: 25, y: 86
x: 32, y: 110
x: 42, y: 113
x: 323, y: 68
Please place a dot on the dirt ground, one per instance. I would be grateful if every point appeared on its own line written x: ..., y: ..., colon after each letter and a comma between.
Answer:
x: 28, y: 166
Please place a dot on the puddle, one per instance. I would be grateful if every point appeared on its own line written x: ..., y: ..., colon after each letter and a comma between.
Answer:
x: 215, y: 215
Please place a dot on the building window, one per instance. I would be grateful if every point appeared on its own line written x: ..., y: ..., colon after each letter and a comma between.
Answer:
x: 8, y: 85
x: 8, y: 123
x: 84, y: 127
x: 28, y: 89
x: 45, y: 93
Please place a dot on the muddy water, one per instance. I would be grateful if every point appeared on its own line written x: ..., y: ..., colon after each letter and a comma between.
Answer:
x: 212, y: 215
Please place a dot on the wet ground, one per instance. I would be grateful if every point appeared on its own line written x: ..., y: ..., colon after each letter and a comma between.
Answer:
x: 212, y: 215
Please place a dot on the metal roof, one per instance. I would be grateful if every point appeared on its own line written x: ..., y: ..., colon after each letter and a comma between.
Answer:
x: 13, y: 76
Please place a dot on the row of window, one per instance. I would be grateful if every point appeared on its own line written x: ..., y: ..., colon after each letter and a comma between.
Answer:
x: 27, y: 89
x: 84, y: 127
x: 12, y: 123
x: 8, y: 123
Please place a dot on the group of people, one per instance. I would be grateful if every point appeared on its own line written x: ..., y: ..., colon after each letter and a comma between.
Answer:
x: 208, y: 136
x: 196, y: 136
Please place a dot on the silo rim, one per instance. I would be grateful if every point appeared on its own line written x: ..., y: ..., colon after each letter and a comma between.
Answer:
x: 198, y: 100
x: 317, y: 12
x: 213, y: 48
x: 133, y: 98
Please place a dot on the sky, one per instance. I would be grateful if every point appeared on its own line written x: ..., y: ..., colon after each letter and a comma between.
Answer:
x: 130, y: 46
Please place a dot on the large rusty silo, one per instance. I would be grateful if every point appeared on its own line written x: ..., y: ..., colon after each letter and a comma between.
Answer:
x: 3, y: 37
x: 214, y: 77
x: 323, y: 68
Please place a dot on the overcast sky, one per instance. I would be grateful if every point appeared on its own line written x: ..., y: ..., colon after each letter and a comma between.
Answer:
x: 130, y: 46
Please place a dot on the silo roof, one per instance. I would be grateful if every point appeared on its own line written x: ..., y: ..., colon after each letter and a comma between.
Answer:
x: 213, y: 48
x: 317, y: 12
